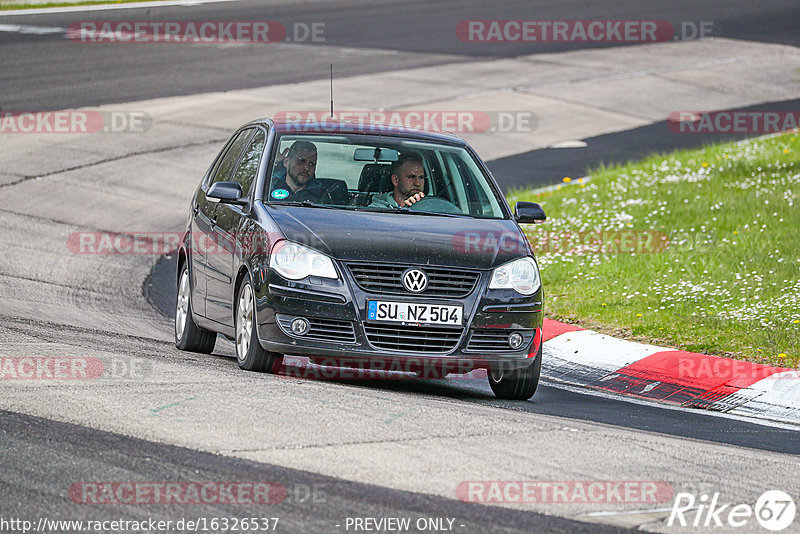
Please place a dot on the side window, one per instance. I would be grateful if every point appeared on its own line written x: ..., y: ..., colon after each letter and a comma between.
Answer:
x: 248, y: 167
x: 477, y: 193
x: 454, y: 190
x: 224, y: 170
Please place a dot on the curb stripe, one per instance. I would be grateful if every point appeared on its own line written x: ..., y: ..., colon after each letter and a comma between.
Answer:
x: 588, y: 358
x: 681, y: 377
x: 552, y: 328
x: 584, y: 357
x: 776, y: 397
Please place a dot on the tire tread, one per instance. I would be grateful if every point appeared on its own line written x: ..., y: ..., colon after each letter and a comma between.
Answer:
x: 257, y: 360
x: 519, y: 384
x: 195, y: 338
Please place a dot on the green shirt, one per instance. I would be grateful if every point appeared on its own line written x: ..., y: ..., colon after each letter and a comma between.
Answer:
x: 384, y: 200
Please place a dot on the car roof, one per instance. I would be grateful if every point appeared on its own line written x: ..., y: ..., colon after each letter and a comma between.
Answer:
x: 363, y: 128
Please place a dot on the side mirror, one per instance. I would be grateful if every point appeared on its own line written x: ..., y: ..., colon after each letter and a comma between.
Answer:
x: 227, y: 193
x: 529, y: 212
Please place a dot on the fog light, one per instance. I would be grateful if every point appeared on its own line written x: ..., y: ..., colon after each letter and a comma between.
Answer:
x: 515, y: 340
x: 300, y: 326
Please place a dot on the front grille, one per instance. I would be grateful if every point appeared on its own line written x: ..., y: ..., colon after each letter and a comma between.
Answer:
x: 412, y: 338
x: 442, y: 281
x: 496, y: 340
x: 321, y: 329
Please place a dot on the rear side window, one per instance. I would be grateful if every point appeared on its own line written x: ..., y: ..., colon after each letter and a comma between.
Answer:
x: 224, y: 170
x: 248, y: 167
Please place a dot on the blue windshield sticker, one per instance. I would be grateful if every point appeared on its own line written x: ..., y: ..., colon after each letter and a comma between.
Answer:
x: 280, y: 194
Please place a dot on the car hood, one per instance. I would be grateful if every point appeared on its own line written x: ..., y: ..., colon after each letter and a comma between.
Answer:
x: 404, y: 238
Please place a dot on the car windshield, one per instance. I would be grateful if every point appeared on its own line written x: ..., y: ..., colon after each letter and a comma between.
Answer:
x: 378, y: 173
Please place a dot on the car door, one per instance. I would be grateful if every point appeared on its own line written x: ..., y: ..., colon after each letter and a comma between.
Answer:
x: 214, y: 246
x: 229, y: 221
x: 202, y: 232
x: 199, y: 230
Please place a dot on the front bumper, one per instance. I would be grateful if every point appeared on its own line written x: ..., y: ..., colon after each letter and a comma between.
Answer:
x: 339, y: 330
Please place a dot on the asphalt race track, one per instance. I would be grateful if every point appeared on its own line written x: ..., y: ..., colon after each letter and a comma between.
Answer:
x: 550, y: 399
x: 342, y: 449
x: 58, y: 452
x: 383, y: 37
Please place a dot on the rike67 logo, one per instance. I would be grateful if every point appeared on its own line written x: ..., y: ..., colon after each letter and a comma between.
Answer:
x: 774, y: 510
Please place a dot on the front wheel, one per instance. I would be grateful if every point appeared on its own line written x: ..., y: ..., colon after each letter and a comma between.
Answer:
x: 189, y: 336
x: 250, y: 355
x: 517, y: 384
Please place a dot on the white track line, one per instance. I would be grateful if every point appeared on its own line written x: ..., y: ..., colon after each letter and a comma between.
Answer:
x: 34, y: 30
x: 106, y: 7
x: 784, y: 425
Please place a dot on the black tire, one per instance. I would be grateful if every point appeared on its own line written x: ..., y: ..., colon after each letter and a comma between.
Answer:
x: 250, y: 355
x: 189, y: 336
x: 519, y: 384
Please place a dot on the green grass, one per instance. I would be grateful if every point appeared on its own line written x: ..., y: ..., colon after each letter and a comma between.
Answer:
x: 718, y: 270
x: 4, y: 6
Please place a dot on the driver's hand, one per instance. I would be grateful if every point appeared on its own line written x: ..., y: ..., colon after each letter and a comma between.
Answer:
x: 413, y: 198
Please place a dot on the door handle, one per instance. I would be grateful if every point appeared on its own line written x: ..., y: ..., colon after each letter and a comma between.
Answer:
x: 195, y: 210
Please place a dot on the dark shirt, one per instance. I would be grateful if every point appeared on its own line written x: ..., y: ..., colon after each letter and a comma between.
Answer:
x: 313, y: 191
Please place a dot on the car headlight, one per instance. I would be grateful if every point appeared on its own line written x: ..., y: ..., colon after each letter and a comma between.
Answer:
x: 522, y: 275
x: 296, y: 262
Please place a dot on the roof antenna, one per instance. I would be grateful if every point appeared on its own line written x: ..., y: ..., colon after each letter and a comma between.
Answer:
x: 331, y: 90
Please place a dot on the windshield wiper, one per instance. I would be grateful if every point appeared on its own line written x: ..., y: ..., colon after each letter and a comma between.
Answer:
x: 409, y: 211
x: 406, y: 210
x: 306, y: 204
x: 394, y: 209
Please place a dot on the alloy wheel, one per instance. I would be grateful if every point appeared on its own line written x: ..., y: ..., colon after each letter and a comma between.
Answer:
x: 182, y: 306
x: 244, y: 322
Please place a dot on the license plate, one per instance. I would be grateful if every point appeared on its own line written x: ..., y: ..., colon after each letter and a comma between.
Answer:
x: 412, y: 313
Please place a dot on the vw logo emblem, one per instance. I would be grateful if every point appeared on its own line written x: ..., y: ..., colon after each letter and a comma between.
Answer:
x: 415, y: 280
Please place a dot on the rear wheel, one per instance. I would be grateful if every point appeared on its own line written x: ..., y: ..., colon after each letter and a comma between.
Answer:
x: 250, y: 355
x: 189, y: 336
x: 517, y: 384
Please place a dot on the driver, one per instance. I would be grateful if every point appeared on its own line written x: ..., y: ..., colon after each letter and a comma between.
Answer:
x: 296, y: 181
x: 408, y: 178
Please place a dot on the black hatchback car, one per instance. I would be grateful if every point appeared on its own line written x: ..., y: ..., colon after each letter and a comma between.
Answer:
x: 361, y: 243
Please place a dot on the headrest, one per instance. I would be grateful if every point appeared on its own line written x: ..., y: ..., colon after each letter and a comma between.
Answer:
x: 376, y: 178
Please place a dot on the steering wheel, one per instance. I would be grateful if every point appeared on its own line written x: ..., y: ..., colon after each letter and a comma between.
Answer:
x: 435, y: 205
